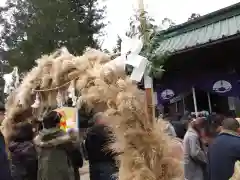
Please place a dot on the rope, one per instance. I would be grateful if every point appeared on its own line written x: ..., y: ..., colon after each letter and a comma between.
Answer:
x: 65, y: 84
x: 55, y: 88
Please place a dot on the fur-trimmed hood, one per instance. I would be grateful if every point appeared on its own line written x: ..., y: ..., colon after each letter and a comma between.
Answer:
x: 54, y: 137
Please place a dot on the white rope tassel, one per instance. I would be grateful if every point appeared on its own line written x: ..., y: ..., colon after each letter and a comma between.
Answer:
x: 74, y: 100
x: 72, y: 93
x: 59, y: 99
x: 36, y: 103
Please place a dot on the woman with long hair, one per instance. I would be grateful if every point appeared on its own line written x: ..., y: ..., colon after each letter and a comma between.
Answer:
x: 195, y: 159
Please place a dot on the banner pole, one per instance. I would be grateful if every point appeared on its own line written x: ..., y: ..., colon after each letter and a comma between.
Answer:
x: 209, y: 102
x: 184, y: 106
x: 195, y: 101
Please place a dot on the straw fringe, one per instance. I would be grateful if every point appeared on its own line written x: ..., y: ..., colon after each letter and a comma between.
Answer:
x: 143, y: 145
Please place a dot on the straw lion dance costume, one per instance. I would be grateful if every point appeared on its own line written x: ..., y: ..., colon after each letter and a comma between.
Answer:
x: 97, y: 83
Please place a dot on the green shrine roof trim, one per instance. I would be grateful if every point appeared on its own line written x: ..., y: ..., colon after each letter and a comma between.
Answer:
x: 212, y: 27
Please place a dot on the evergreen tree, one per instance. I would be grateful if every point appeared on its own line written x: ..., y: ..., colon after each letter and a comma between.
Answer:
x: 168, y: 22
x: 37, y: 27
x: 117, y: 48
x: 152, y: 38
x: 135, y: 28
x: 194, y: 16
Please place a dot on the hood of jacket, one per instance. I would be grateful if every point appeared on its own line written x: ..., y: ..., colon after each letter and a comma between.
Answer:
x: 54, y: 137
x: 22, y: 148
x: 229, y: 132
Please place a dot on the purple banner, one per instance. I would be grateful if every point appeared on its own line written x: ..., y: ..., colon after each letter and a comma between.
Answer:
x: 169, y: 91
x: 224, y: 84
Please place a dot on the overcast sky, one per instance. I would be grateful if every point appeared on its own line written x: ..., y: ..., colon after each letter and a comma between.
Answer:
x: 119, y: 12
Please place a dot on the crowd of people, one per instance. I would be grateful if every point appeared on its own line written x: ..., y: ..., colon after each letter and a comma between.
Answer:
x: 209, y: 147
x: 52, y: 153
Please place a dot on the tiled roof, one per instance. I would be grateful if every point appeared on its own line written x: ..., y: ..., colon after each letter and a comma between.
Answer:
x: 203, y: 35
x: 215, y: 26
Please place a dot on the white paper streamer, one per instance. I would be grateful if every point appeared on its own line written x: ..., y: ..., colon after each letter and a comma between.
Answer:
x: 36, y: 103
x: 59, y: 99
x: 11, y: 81
x: 116, y: 65
x: 139, y: 63
x: 147, y: 82
x: 72, y: 94
x: 134, y: 45
x: 130, y: 49
x: 138, y: 72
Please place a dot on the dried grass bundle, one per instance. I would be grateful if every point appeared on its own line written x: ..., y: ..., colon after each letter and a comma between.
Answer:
x: 144, y: 147
x: 236, y: 175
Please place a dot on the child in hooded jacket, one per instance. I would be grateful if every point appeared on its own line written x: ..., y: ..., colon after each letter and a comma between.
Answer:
x: 23, y: 153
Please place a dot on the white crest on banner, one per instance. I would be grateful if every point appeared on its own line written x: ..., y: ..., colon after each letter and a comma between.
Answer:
x: 167, y: 94
x: 222, y: 86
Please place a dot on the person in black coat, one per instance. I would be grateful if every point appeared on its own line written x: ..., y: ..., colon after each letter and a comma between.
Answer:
x: 224, y: 151
x: 23, y: 153
x: 5, y: 173
x: 102, y: 164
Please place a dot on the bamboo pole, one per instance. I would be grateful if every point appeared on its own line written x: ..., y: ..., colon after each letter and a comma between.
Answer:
x: 148, y: 82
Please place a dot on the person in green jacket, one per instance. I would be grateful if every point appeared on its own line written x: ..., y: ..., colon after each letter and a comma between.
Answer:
x: 55, y: 150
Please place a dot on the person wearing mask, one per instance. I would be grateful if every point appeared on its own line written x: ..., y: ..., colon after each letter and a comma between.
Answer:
x: 224, y: 152
x: 102, y: 164
x: 194, y: 156
x: 5, y: 173
x: 23, y: 153
x: 58, y: 155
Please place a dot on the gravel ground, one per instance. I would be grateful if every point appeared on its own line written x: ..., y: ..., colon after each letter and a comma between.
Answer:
x: 84, y: 172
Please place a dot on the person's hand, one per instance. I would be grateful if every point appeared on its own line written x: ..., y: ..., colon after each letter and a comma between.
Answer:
x: 72, y: 131
x: 219, y: 129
